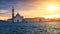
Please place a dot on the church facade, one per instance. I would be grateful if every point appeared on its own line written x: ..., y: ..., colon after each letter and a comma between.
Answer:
x: 18, y: 18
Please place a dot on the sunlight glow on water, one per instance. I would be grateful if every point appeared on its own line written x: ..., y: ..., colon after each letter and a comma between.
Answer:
x: 53, y: 27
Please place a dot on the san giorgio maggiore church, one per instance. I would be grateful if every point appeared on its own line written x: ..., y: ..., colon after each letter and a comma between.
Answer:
x: 19, y: 18
x: 16, y: 18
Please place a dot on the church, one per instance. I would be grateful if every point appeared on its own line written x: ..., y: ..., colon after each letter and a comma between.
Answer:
x: 17, y: 18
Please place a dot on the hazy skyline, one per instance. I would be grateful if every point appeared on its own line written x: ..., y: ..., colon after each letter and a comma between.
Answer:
x: 29, y: 8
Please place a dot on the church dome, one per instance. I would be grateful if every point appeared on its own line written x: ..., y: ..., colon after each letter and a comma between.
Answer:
x: 17, y: 14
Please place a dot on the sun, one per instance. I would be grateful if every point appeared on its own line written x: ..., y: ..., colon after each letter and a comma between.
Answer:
x: 52, y: 8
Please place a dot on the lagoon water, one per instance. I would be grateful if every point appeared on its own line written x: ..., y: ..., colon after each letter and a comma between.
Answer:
x: 29, y: 28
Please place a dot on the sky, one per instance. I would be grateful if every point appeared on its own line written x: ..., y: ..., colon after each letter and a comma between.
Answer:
x: 29, y: 8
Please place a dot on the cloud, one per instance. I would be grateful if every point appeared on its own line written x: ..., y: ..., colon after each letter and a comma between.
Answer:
x: 4, y: 12
x: 28, y: 4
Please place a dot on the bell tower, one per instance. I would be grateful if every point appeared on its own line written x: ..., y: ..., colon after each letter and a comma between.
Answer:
x: 13, y: 14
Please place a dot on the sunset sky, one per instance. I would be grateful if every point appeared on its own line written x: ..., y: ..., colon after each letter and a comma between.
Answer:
x: 30, y: 8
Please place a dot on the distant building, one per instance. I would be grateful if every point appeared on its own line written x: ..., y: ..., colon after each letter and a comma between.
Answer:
x: 28, y: 20
x: 18, y: 18
x: 32, y: 19
x: 12, y: 14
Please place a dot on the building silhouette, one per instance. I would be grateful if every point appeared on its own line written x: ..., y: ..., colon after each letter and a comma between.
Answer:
x: 16, y: 18
x: 12, y: 14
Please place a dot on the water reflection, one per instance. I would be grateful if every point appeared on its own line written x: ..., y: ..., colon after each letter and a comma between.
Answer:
x: 53, y: 27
